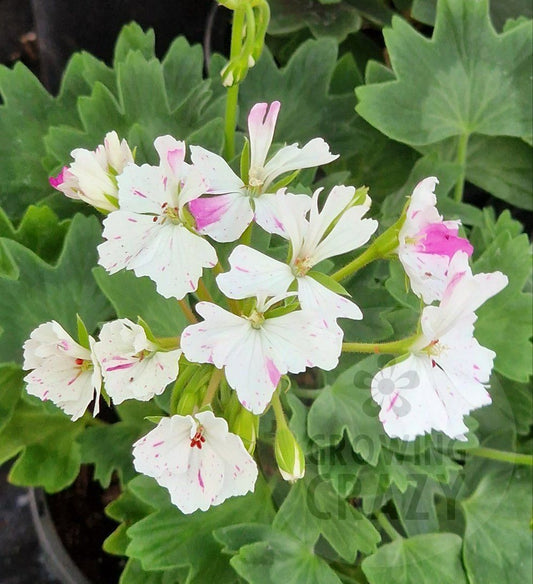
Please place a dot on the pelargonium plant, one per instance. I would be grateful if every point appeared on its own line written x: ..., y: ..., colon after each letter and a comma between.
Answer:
x: 324, y: 355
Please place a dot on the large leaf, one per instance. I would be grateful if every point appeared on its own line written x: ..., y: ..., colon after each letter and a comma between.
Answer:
x: 169, y: 539
x: 346, y: 406
x: 423, y: 559
x: 10, y: 386
x: 500, y: 505
x: 41, y: 292
x: 273, y: 557
x: 467, y: 79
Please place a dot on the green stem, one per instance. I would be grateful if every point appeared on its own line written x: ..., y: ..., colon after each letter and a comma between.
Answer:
x: 493, y: 454
x: 369, y: 255
x: 387, y: 526
x: 203, y: 293
x: 462, y: 148
x: 281, y: 422
x: 233, y: 92
x: 393, y: 347
x: 186, y: 309
x: 212, y: 387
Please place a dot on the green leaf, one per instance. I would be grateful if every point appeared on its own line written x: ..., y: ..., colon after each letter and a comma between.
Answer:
x: 501, y: 504
x: 335, y: 20
x: 504, y: 322
x: 423, y: 559
x: 10, y: 387
x: 169, y: 539
x: 132, y: 297
x: 465, y: 57
x: 274, y: 557
x: 346, y: 406
x: 42, y: 292
x: 134, y: 574
x: 313, y: 507
x: 39, y: 230
x: 133, y: 38
x: 46, y: 440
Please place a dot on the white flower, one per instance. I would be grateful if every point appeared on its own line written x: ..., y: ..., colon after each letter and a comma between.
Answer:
x: 150, y: 233
x: 133, y: 367
x: 444, y: 376
x: 64, y: 372
x: 337, y: 229
x: 197, y: 459
x: 257, y: 350
x: 224, y: 217
x: 427, y: 243
x: 92, y: 175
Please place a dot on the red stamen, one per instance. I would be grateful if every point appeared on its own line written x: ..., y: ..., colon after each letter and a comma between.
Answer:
x: 79, y: 361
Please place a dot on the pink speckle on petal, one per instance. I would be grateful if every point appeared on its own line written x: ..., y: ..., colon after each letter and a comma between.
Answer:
x: 175, y: 158
x: 273, y: 372
x: 158, y: 444
x: 392, y: 402
x: 121, y: 366
x: 200, y: 480
x: 139, y: 194
x: 208, y: 210
x: 437, y: 238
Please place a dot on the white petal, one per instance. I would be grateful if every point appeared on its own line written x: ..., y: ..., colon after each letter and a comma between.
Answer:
x: 314, y: 153
x: 316, y: 297
x: 172, y: 157
x: 174, y: 260
x: 94, y: 182
x: 261, y: 124
x: 221, y: 178
x: 422, y: 208
x: 143, y: 189
x: 254, y: 274
x: 283, y: 214
x: 222, y: 217
x: 428, y: 273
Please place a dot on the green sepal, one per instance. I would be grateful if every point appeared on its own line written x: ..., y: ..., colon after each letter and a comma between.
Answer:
x: 245, y: 161
x: 154, y: 419
x: 281, y: 310
x: 83, y: 335
x: 328, y: 282
x: 284, y: 181
x: 105, y: 396
x: 149, y: 334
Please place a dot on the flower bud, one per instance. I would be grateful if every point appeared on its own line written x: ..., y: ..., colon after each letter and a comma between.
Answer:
x: 289, y: 455
x: 246, y: 426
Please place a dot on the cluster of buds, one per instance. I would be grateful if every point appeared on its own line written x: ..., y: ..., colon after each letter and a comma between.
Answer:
x: 229, y: 364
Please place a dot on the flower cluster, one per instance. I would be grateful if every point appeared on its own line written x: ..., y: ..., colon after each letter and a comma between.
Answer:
x: 272, y: 318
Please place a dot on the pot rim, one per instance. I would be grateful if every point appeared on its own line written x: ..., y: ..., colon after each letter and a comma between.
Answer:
x: 59, y: 561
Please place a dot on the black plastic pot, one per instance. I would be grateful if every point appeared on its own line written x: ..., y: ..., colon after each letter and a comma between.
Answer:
x: 57, y: 558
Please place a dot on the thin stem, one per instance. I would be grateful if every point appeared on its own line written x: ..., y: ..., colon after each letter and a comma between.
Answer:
x: 186, y: 309
x: 281, y: 422
x: 369, y: 255
x: 233, y: 92
x: 387, y: 526
x: 501, y: 455
x: 462, y: 149
x: 393, y: 347
x: 203, y: 293
x: 212, y: 387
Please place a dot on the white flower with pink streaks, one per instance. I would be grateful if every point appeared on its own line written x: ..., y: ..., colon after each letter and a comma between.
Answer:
x: 234, y: 204
x: 445, y: 374
x: 151, y: 233
x: 63, y: 371
x: 132, y: 366
x: 427, y: 243
x: 92, y: 175
x: 256, y: 350
x: 197, y: 459
x: 337, y: 229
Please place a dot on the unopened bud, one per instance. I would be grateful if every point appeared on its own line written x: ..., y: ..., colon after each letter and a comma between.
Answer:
x: 246, y: 426
x: 188, y: 403
x: 289, y: 455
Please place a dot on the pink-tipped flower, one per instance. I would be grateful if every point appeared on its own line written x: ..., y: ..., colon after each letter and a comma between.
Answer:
x: 445, y: 374
x: 151, y: 232
x: 234, y: 204
x: 62, y: 371
x: 197, y: 459
x: 132, y: 366
x: 427, y: 243
x: 256, y: 350
x: 92, y: 175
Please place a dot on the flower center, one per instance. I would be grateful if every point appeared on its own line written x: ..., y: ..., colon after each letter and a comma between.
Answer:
x: 255, y: 177
x: 167, y: 212
x: 83, y: 364
x: 256, y: 319
x: 198, y: 439
x: 301, y: 266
